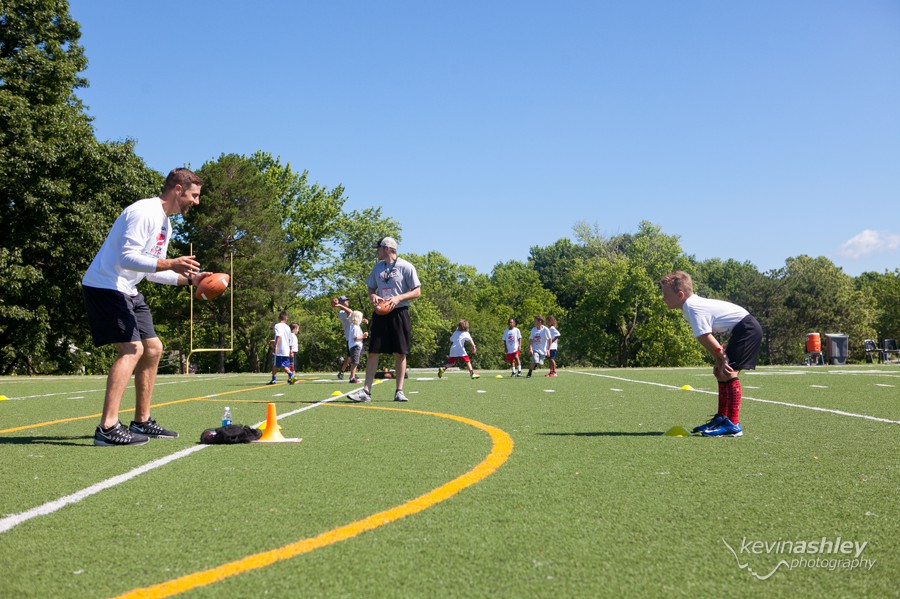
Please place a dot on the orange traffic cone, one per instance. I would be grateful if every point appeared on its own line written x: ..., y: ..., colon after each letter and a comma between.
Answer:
x: 273, y: 431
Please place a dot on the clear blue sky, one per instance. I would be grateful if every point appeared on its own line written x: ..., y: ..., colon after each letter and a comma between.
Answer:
x: 752, y: 130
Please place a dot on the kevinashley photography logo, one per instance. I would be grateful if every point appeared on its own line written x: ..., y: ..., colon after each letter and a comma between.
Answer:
x: 825, y: 554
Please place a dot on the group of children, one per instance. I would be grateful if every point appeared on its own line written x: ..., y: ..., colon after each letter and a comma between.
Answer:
x: 543, y: 344
x: 707, y: 317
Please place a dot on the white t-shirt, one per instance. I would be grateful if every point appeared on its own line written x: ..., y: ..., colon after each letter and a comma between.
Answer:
x: 540, y: 340
x: 295, y: 346
x: 458, y: 343
x: 554, y: 337
x: 390, y: 279
x: 344, y: 317
x: 352, y: 334
x: 513, y: 339
x: 282, y: 339
x: 139, y: 237
x: 711, y: 315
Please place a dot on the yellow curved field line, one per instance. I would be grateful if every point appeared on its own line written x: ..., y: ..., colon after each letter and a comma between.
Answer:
x: 502, y: 445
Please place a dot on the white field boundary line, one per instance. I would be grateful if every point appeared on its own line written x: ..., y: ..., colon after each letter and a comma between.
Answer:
x: 745, y: 397
x: 9, y: 522
x: 103, y: 389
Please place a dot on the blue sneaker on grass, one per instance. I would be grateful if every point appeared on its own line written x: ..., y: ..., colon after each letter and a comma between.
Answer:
x: 726, y: 428
x: 716, y: 421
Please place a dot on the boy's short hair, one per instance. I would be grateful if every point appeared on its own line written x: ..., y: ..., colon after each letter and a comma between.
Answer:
x: 282, y: 315
x: 356, y: 317
x: 678, y: 281
x: 539, y: 318
x: 463, y: 325
x: 295, y: 325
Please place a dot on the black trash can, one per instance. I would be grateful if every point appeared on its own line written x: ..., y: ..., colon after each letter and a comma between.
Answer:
x: 836, y: 348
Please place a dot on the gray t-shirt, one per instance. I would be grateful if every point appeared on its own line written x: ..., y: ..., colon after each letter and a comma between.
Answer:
x: 390, y: 279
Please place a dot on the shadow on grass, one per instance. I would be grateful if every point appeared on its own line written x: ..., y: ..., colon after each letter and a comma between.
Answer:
x: 608, y: 434
x: 79, y: 441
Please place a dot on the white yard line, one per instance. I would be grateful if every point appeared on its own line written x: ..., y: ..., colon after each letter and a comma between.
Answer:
x: 103, y: 389
x: 9, y: 522
x: 768, y: 401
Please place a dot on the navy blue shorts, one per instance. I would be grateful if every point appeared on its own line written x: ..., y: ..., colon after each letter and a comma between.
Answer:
x: 283, y: 362
x: 391, y: 333
x: 117, y: 318
x: 743, y: 347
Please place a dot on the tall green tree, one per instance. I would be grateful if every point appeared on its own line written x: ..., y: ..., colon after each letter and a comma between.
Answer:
x: 60, y: 190
x: 814, y: 295
x: 310, y: 216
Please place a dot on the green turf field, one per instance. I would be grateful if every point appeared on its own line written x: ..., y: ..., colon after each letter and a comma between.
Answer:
x: 561, y: 487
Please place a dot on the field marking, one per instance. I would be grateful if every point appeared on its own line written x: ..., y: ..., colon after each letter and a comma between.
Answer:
x: 103, y: 389
x: 501, y: 449
x: 9, y: 522
x: 746, y: 397
x: 98, y: 414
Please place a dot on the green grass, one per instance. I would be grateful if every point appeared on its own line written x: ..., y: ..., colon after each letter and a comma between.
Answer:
x: 593, y: 500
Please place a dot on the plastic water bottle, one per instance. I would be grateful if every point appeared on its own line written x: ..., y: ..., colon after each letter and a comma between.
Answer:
x: 226, y: 417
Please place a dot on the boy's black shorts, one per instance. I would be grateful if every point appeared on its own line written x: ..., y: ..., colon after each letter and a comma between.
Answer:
x: 742, y: 348
x: 391, y: 333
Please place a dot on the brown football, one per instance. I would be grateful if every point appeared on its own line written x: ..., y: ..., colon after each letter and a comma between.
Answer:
x: 212, y: 286
x: 382, y: 308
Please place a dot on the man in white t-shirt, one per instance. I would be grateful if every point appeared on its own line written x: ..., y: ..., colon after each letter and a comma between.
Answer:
x: 707, y: 318
x: 281, y: 345
x: 134, y: 250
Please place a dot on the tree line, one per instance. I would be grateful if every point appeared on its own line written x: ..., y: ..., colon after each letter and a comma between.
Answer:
x: 294, y: 246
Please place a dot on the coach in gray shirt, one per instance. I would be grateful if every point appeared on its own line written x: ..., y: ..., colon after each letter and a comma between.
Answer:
x: 392, y: 283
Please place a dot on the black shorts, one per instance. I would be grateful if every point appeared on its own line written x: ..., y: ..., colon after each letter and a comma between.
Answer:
x: 117, y: 318
x: 391, y: 333
x: 743, y: 347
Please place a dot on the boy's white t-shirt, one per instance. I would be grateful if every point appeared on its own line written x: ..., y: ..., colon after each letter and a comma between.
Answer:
x: 458, y: 343
x: 282, y: 339
x: 352, y: 334
x: 711, y: 315
x: 540, y: 340
x: 513, y: 339
x: 295, y: 345
x: 344, y: 317
x: 554, y: 337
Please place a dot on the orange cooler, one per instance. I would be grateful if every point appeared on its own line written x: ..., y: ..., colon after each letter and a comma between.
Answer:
x: 813, y: 343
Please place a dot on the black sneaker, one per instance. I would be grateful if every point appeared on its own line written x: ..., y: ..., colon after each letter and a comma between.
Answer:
x: 272, y: 382
x: 118, y: 435
x: 341, y: 375
x: 152, y: 430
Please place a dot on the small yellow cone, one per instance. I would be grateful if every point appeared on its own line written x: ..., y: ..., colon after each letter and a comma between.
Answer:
x: 272, y: 431
x: 2, y: 397
x: 677, y: 431
x: 336, y: 394
x: 499, y: 376
x: 687, y: 388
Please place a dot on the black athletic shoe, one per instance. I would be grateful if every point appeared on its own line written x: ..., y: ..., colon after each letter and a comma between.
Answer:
x: 118, y: 435
x: 152, y: 430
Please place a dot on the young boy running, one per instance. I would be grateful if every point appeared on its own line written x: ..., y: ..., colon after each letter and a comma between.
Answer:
x: 708, y: 317
x: 554, y: 344
x: 539, y: 344
x: 458, y: 349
